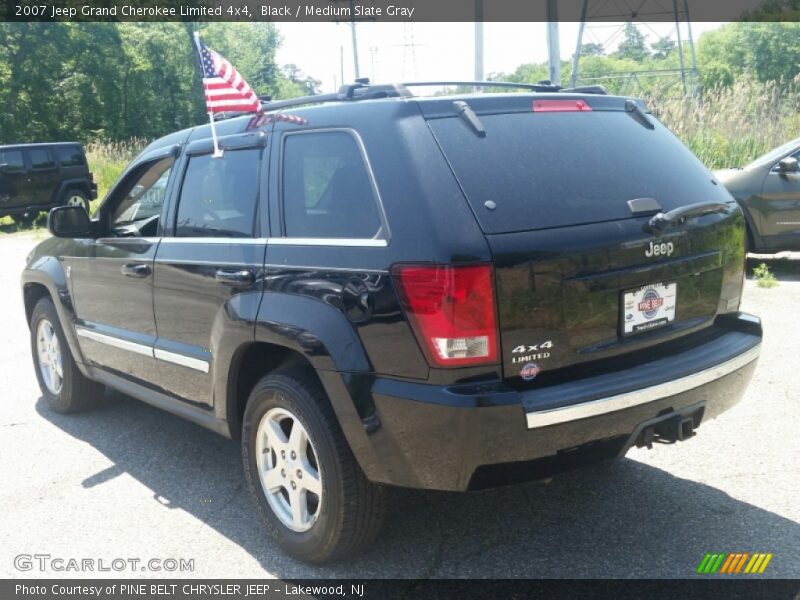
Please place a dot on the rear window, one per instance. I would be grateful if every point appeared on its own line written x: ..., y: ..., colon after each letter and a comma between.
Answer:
x: 70, y: 156
x: 557, y: 169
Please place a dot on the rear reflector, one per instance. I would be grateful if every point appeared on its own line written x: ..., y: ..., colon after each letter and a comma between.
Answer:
x: 560, y: 106
x: 451, y: 310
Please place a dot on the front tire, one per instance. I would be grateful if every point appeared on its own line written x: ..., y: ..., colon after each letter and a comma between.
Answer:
x: 64, y: 387
x: 313, y: 497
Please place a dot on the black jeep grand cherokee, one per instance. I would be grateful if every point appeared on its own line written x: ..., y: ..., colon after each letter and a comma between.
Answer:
x: 444, y: 293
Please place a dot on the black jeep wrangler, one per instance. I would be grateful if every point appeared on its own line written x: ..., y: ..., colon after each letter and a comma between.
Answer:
x: 446, y: 293
x: 37, y: 177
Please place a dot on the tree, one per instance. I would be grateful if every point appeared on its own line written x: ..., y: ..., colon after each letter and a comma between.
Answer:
x: 762, y: 51
x: 592, y: 49
x: 633, y: 44
x: 663, y: 48
x: 112, y: 81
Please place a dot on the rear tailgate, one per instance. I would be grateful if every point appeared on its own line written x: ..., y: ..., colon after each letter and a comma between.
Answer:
x: 580, y: 277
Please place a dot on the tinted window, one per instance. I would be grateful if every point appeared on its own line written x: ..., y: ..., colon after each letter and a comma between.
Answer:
x: 41, y: 158
x: 12, y: 159
x: 565, y: 168
x: 219, y: 195
x: 70, y: 156
x: 327, y: 191
x: 138, y: 212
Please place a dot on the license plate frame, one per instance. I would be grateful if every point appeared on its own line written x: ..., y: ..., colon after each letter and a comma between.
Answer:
x: 648, y: 307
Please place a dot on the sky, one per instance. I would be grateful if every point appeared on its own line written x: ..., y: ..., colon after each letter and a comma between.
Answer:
x: 391, y: 52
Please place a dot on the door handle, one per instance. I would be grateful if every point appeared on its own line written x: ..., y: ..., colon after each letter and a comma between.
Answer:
x: 137, y: 270
x: 235, y: 277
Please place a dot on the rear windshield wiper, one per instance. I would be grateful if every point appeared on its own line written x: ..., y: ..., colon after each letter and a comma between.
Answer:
x: 679, y: 215
x: 468, y: 115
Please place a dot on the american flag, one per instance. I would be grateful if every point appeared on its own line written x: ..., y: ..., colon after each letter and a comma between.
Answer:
x: 226, y: 90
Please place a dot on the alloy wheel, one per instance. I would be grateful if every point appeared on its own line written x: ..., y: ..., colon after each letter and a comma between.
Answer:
x: 288, y: 469
x: 48, y: 351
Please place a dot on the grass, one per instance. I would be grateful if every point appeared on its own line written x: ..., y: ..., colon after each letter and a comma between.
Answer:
x: 732, y: 126
x: 107, y: 161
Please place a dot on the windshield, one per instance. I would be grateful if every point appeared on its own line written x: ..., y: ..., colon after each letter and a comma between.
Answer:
x: 773, y: 156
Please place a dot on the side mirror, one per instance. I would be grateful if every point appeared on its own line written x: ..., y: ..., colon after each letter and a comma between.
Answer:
x: 69, y: 222
x: 788, y: 165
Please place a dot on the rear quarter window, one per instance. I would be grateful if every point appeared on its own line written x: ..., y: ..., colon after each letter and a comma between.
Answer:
x: 70, y: 156
x: 555, y: 169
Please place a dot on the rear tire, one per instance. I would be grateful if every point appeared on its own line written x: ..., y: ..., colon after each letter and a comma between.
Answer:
x: 26, y: 219
x: 64, y: 387
x: 346, y: 511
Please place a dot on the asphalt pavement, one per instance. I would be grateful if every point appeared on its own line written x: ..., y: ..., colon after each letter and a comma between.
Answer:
x: 127, y: 481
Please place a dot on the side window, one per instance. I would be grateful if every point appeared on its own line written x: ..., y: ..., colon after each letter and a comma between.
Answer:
x: 139, y: 210
x: 13, y: 160
x: 41, y: 158
x: 70, y: 156
x: 219, y: 195
x: 327, y: 192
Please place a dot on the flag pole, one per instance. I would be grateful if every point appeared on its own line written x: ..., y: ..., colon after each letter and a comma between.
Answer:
x: 217, y: 151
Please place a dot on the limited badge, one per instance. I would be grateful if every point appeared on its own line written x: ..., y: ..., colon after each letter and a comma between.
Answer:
x: 529, y: 371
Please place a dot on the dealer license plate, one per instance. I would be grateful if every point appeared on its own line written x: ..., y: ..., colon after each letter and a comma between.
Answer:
x: 648, y: 307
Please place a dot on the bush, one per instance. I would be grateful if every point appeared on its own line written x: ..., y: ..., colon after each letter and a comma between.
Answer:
x: 764, y: 277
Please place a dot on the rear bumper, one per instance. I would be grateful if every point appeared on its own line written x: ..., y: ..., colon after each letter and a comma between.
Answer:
x: 473, y: 436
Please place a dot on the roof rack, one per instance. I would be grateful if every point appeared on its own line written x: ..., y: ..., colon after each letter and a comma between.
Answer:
x: 362, y: 89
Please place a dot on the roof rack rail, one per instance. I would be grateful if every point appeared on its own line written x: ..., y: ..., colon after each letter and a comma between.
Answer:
x: 362, y: 89
x: 541, y: 86
x: 586, y: 89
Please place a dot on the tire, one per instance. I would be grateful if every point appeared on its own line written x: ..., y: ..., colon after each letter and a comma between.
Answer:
x: 67, y: 392
x: 348, y: 512
x: 75, y: 197
x: 26, y: 219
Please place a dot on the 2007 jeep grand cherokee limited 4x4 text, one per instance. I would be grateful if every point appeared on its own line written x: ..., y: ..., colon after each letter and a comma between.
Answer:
x: 446, y: 293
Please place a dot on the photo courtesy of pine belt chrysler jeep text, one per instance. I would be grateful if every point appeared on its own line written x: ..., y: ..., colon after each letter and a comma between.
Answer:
x: 380, y: 289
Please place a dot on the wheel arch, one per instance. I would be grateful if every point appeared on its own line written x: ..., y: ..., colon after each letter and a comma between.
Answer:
x: 47, y: 279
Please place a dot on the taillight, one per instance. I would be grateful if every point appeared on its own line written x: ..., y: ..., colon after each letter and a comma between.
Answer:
x: 451, y: 309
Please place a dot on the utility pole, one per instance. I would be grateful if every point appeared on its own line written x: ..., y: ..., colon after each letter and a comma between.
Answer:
x: 478, y: 40
x: 355, y: 46
x: 353, y: 35
x: 553, y: 46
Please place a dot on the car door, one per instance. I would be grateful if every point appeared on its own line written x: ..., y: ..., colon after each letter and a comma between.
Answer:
x: 43, y: 176
x: 209, y: 266
x: 780, y: 205
x: 14, y: 185
x: 113, y: 285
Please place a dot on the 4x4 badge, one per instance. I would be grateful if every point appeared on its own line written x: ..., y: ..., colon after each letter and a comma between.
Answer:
x: 533, y: 348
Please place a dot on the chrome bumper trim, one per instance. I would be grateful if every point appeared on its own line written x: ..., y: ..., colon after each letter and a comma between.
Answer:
x: 601, y: 406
